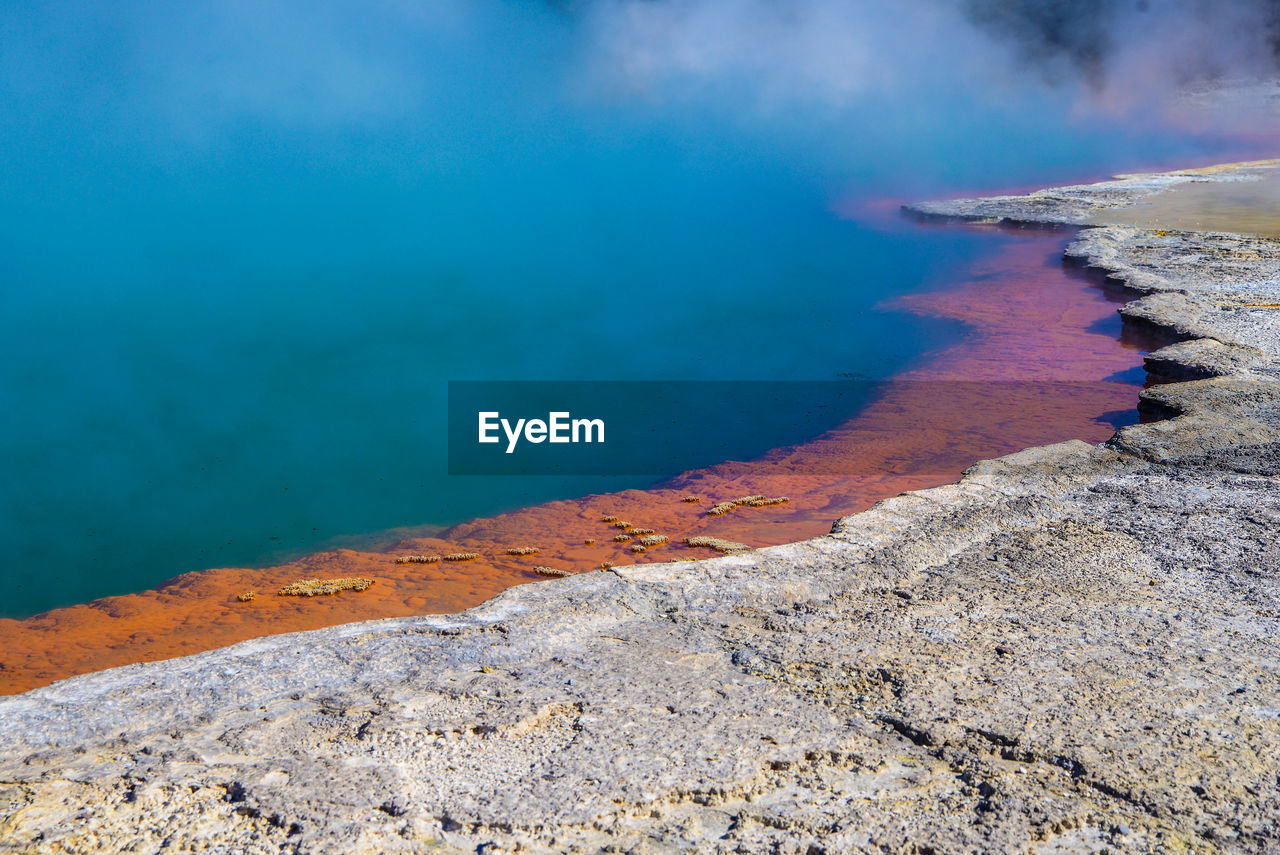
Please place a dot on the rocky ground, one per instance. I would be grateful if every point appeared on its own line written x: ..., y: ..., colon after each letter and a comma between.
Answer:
x: 1075, y: 648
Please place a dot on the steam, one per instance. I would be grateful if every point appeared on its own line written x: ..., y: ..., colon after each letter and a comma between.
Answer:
x: 1108, y: 40
x: 197, y: 68
x: 813, y: 50
x: 1117, y: 57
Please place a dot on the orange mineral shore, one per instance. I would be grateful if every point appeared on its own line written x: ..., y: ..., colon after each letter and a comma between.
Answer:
x: 1034, y: 367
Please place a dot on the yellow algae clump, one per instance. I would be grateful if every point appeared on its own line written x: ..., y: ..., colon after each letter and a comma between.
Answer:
x: 716, y: 543
x: 318, y: 587
x: 762, y: 502
x: 622, y: 525
x: 749, y: 501
x: 636, y: 531
x: 552, y: 572
x: 523, y: 550
x: 691, y: 500
x: 637, y: 549
x: 605, y: 565
x: 621, y: 538
x: 654, y: 539
x: 246, y: 597
x: 590, y: 541
x: 608, y: 518
x: 462, y: 556
x: 417, y: 559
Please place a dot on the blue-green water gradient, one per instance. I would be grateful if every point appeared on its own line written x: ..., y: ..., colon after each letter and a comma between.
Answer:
x: 243, y: 250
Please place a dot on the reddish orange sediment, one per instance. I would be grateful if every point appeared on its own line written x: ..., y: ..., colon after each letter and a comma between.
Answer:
x: 1033, y: 328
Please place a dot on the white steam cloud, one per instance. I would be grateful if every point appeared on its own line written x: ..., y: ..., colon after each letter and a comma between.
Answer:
x: 1116, y: 57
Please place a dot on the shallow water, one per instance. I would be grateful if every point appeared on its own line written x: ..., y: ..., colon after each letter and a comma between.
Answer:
x: 169, y: 425
x: 243, y: 254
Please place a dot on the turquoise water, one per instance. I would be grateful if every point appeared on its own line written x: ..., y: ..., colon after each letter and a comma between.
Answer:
x: 242, y: 254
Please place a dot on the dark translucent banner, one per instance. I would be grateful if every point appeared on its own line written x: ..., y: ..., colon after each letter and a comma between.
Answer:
x: 662, y: 428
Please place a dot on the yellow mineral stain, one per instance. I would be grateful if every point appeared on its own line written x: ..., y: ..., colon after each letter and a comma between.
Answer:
x: 1250, y: 206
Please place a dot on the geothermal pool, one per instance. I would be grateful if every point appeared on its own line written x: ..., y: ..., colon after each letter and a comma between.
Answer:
x: 239, y: 271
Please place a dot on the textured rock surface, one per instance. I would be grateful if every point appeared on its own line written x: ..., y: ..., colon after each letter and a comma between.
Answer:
x: 1074, y: 648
